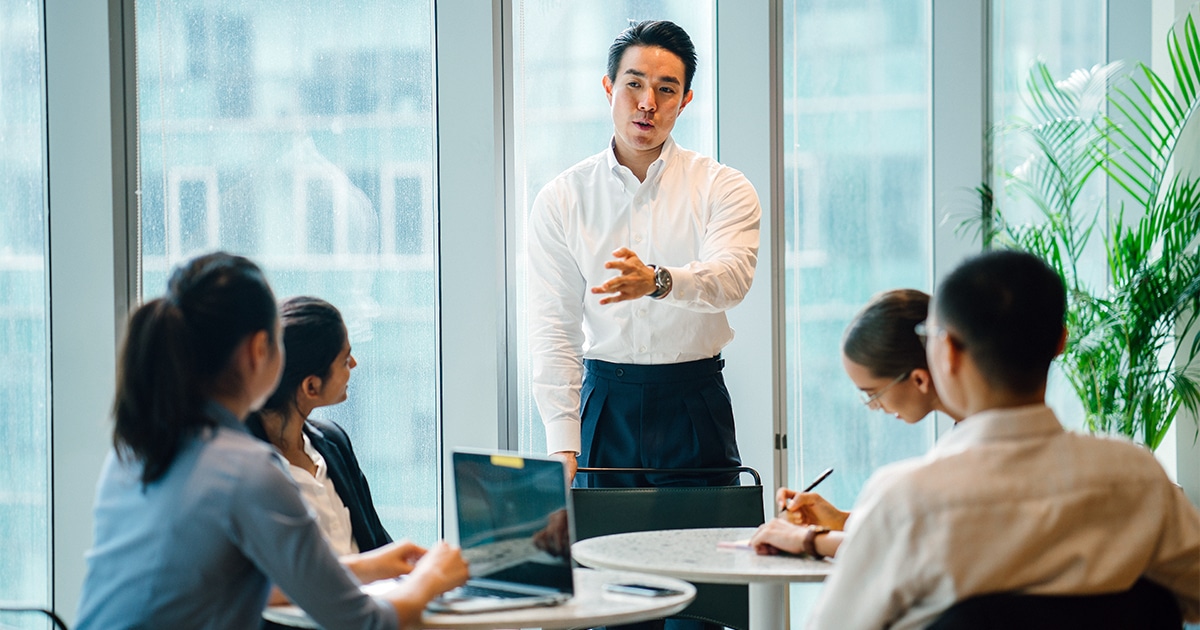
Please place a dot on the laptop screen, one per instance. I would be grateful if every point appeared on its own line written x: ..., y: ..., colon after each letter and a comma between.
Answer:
x: 514, y: 520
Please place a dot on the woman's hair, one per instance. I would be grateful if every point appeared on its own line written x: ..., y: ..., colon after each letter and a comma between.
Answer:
x: 313, y: 336
x: 881, y: 336
x: 177, y: 350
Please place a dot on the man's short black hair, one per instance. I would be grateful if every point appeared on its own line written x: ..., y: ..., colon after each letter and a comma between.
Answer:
x: 1006, y: 308
x: 660, y: 33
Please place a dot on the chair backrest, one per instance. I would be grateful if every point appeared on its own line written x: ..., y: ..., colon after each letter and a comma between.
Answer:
x: 1146, y: 606
x: 602, y: 511
x: 48, y: 615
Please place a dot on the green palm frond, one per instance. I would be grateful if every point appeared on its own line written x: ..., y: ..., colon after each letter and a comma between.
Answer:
x: 1140, y: 143
x: 1125, y: 356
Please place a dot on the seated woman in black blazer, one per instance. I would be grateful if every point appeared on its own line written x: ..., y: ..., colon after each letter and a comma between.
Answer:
x: 317, y: 364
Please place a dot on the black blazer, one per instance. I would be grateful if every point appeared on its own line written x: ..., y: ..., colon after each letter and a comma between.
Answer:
x: 333, y: 444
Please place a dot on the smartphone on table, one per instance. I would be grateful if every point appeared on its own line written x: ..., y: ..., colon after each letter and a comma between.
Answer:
x: 645, y: 590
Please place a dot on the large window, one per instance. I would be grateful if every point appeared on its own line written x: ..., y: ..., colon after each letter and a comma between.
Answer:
x: 857, y: 217
x: 300, y: 134
x: 1066, y: 35
x: 561, y: 115
x: 24, y: 372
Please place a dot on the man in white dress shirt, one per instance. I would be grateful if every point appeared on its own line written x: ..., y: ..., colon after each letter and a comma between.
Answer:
x: 634, y: 255
x: 1008, y: 500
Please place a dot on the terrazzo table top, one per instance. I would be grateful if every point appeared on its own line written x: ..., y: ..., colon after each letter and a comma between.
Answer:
x: 694, y: 555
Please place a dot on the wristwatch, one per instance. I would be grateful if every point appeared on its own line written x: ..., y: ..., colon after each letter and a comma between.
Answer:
x: 662, y: 282
x: 809, y: 544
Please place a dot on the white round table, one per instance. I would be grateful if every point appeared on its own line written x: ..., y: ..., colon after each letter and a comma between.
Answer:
x: 591, y: 606
x: 694, y: 555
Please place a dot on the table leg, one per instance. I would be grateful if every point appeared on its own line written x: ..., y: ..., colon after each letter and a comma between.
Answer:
x: 766, y: 606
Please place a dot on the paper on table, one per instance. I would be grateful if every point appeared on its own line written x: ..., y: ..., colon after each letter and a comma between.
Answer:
x: 734, y: 544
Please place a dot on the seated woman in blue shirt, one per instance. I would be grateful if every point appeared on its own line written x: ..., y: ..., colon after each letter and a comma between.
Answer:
x: 885, y: 358
x: 320, y: 457
x: 195, y: 517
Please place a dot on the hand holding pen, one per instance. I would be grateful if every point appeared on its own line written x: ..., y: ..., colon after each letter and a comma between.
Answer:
x: 807, y: 508
x: 820, y: 478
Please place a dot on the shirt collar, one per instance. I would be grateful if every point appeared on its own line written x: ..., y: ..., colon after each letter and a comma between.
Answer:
x: 656, y: 167
x: 997, y: 425
x: 223, y: 416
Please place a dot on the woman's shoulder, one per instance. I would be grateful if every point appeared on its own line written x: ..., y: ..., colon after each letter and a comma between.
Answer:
x: 238, y: 454
x: 326, y: 429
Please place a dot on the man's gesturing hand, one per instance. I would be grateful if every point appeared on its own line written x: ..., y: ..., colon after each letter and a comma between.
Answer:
x: 636, y: 279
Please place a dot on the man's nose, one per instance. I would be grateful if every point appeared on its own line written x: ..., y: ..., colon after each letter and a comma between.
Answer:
x: 647, y: 102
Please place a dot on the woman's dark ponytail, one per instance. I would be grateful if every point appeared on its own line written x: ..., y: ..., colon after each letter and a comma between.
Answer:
x: 176, y: 351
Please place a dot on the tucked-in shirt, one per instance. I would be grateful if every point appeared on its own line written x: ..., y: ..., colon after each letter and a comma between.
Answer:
x: 1009, y: 501
x: 692, y: 215
x: 199, y: 547
x: 318, y: 492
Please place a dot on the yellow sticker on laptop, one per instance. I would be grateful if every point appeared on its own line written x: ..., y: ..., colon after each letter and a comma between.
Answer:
x: 508, y: 461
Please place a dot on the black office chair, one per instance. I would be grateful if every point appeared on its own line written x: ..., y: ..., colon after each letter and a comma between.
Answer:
x: 601, y: 511
x: 1146, y: 606
x: 31, y: 611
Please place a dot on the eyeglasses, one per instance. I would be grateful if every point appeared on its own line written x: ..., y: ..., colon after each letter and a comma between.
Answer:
x: 872, y: 401
x: 924, y: 330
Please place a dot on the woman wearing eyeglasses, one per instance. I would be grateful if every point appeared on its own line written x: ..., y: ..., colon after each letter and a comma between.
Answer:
x: 884, y: 356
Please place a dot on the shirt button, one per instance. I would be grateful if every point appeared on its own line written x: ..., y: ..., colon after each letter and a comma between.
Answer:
x: 641, y: 312
x: 641, y: 348
x: 637, y: 238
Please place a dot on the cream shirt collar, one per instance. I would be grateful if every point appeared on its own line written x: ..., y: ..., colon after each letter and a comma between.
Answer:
x: 996, y: 425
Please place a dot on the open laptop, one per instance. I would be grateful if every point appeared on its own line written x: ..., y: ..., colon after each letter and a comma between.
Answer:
x: 515, y: 528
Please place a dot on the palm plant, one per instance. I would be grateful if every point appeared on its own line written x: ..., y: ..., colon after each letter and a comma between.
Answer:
x: 1121, y: 125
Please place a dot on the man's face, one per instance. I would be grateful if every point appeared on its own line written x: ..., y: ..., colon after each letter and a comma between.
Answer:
x: 646, y: 97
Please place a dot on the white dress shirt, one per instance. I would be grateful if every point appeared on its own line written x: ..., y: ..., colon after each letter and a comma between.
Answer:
x: 1009, y: 501
x: 692, y: 215
x: 322, y: 498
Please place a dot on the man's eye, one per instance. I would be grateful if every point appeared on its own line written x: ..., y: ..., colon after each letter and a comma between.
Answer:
x: 633, y: 84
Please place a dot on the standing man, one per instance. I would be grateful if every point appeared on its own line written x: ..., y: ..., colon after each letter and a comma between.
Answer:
x: 635, y: 254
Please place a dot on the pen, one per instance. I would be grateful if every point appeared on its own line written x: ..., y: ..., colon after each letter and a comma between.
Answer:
x: 821, y: 477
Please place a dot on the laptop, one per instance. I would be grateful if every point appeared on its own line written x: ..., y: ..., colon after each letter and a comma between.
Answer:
x: 515, y: 528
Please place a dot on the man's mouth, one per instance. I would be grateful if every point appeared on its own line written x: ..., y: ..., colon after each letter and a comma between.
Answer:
x: 644, y: 125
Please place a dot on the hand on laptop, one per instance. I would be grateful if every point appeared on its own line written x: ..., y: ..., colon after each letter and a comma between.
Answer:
x: 439, y: 570
x: 388, y: 561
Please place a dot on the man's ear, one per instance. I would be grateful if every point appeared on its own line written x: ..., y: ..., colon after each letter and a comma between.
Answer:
x: 687, y: 98
x: 1062, y: 342
x: 608, y: 88
x: 922, y: 379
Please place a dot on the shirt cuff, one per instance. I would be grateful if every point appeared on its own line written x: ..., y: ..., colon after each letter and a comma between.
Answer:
x: 562, y: 435
x: 683, y: 285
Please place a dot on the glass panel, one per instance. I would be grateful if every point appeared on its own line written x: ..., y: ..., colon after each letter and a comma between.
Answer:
x: 562, y: 116
x: 1066, y: 35
x: 858, y: 221
x: 857, y: 202
x: 267, y: 131
x: 24, y: 416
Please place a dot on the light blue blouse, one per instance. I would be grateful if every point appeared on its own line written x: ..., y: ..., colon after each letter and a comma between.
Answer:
x: 200, y: 547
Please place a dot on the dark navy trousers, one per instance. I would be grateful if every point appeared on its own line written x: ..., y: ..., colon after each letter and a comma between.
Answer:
x: 656, y: 416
